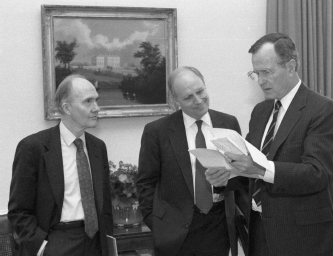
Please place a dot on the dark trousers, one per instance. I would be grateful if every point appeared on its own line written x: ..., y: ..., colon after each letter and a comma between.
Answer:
x: 208, y: 234
x: 257, y: 239
x: 72, y: 242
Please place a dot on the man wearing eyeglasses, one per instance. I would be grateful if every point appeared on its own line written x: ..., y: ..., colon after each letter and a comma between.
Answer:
x: 292, y: 201
x: 186, y: 214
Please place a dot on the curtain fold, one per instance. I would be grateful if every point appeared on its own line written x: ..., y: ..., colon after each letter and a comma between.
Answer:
x: 309, y: 24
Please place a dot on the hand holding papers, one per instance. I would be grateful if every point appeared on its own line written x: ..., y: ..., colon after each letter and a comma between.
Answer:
x: 233, y: 142
x: 229, y: 141
x: 218, y: 172
x: 237, y: 142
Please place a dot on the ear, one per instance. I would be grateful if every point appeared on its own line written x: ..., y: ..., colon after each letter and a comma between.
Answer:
x: 66, y: 108
x: 175, y: 99
x: 291, y: 65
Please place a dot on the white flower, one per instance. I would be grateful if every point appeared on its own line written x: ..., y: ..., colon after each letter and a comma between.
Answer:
x: 122, y: 178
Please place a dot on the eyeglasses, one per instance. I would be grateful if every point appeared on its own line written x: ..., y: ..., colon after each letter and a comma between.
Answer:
x: 264, y: 73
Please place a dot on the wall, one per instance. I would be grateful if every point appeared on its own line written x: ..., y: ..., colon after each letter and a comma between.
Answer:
x: 213, y: 36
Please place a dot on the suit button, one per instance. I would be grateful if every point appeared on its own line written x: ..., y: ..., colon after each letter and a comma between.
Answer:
x: 187, y: 225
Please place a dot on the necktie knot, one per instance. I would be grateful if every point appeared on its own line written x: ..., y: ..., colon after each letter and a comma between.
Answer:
x: 78, y: 143
x: 199, y: 123
x: 277, y: 105
x: 199, y: 139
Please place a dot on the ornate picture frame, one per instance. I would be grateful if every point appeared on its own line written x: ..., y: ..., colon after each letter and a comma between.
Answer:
x: 126, y: 52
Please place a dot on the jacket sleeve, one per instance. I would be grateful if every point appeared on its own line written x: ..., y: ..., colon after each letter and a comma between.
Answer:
x: 107, y: 204
x: 148, y: 173
x: 304, y: 165
x: 22, y: 198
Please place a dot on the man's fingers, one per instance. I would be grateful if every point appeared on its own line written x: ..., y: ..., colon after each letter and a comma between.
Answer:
x: 216, y: 173
x: 233, y: 156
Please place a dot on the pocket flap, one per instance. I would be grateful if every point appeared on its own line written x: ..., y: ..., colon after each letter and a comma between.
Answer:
x: 159, y: 212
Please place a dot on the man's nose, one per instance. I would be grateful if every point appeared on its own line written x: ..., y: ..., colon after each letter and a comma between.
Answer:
x: 261, y: 80
x: 96, y: 108
x: 197, y: 99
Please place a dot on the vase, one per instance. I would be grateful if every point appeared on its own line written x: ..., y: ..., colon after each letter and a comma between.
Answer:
x: 127, y: 216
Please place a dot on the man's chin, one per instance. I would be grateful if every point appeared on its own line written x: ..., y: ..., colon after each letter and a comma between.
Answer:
x: 92, y: 123
x: 201, y: 113
x: 269, y: 97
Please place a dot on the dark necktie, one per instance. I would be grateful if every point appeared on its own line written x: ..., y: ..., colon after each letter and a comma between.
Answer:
x: 265, y: 150
x: 86, y: 189
x: 203, y: 189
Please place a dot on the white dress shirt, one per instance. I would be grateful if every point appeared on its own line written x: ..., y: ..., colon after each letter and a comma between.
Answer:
x: 72, y: 209
x: 285, y: 103
x: 191, y: 129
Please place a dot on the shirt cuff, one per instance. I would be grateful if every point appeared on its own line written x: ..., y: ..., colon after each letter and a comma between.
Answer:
x: 255, y: 207
x: 270, y: 173
x: 41, y: 249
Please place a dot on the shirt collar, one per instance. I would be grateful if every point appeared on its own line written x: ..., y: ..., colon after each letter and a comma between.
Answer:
x: 68, y: 136
x: 286, y: 100
x: 189, y: 121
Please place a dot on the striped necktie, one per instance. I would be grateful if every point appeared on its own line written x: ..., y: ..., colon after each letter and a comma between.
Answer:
x: 265, y: 150
x: 86, y: 190
x: 203, y: 189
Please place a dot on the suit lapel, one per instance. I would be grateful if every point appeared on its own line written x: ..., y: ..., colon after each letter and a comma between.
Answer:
x: 216, y: 121
x: 54, y: 165
x: 97, y: 170
x: 291, y: 117
x: 179, y: 145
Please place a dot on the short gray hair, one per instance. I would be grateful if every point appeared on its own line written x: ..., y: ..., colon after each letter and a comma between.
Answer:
x: 64, y: 91
x: 174, y: 74
x: 283, y: 45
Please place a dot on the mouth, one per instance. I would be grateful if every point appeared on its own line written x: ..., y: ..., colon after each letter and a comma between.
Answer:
x: 200, y: 106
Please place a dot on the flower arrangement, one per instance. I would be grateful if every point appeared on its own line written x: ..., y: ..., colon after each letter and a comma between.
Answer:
x: 123, y: 190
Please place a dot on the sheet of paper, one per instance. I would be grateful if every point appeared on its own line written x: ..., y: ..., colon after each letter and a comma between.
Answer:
x: 112, y: 245
x: 211, y: 158
x: 256, y: 154
x: 227, y: 140
x: 225, y: 145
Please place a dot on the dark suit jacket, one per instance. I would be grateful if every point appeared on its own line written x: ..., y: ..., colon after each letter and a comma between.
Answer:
x: 37, y: 188
x: 298, y: 207
x: 165, y: 183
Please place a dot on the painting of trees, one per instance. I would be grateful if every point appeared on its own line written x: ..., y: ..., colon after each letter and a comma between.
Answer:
x: 64, y: 54
x: 149, y: 86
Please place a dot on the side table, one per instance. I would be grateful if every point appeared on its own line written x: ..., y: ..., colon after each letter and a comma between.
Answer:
x: 133, y: 238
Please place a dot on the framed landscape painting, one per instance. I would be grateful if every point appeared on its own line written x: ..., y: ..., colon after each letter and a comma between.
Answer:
x: 127, y: 53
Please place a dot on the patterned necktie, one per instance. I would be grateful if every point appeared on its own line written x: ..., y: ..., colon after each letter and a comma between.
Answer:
x: 86, y: 189
x: 203, y: 189
x: 265, y: 150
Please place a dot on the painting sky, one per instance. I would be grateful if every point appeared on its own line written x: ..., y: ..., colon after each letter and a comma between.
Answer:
x: 109, y: 36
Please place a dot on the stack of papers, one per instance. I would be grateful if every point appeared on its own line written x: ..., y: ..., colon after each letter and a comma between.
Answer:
x: 211, y: 158
x: 226, y: 140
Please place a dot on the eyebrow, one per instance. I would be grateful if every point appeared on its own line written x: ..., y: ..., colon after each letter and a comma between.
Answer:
x: 200, y: 89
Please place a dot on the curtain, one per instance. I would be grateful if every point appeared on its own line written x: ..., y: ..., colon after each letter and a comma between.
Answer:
x: 309, y: 24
